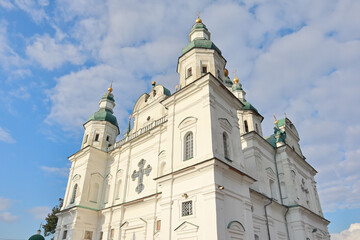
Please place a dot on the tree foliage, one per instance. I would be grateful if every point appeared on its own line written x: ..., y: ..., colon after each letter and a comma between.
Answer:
x: 51, y: 219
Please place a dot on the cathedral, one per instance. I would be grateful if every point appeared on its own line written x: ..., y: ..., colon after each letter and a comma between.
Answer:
x: 192, y: 165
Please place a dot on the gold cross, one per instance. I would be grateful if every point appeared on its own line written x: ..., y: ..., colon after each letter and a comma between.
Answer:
x: 235, y: 73
x: 198, y: 14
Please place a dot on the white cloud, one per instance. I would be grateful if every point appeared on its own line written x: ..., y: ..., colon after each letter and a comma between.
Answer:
x: 8, y: 57
x: 6, y: 4
x: 8, y: 217
x: 352, y: 233
x: 39, y: 212
x: 5, y: 203
x: 63, y: 172
x: 33, y: 8
x: 289, y: 57
x: 51, y: 54
x: 5, y: 136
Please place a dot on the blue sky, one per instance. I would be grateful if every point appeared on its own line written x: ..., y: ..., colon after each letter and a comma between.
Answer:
x: 57, y: 58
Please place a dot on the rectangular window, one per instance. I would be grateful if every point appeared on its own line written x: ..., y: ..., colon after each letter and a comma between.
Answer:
x: 86, y: 138
x: 96, y: 137
x: 186, y: 209
x: 88, y: 235
x: 188, y: 72
x: 218, y: 74
x: 107, y: 138
x: 64, y: 234
x: 272, y: 189
x: 112, y: 233
x: 101, y: 235
x: 158, y: 225
x: 204, y: 69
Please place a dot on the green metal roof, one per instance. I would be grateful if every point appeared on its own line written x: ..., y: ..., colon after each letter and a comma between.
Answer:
x: 199, y: 26
x: 167, y: 91
x: 36, y: 237
x: 248, y: 106
x: 227, y: 81
x: 108, y: 96
x: 281, y: 122
x: 104, y: 115
x: 200, y: 43
x: 236, y: 87
x: 272, y: 140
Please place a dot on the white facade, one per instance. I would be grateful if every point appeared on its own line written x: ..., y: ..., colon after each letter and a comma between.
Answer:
x: 194, y: 166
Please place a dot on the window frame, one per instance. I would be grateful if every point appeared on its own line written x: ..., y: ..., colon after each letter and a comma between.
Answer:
x: 74, y: 193
x: 226, y: 146
x: 188, y: 72
x: 190, y: 211
x: 189, y: 155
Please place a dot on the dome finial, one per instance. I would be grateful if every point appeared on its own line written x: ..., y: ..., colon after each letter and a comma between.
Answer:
x: 110, y: 89
x: 276, y: 121
x: 198, y: 20
x: 236, y: 80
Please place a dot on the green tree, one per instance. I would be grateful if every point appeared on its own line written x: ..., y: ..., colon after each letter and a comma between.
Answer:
x: 51, y: 219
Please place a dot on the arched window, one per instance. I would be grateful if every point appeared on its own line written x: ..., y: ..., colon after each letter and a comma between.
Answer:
x: 118, y: 188
x: 189, y: 146
x: 107, y: 193
x: 226, y: 145
x: 256, y: 128
x: 74, y: 194
x: 246, y: 126
x: 94, y: 192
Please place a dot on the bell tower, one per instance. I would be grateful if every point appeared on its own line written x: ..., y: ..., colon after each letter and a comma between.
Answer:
x: 102, y: 128
x: 200, y: 56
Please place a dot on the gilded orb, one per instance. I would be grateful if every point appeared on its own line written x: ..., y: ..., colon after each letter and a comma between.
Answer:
x: 226, y: 72
x: 198, y: 20
x: 153, y: 83
x: 110, y: 89
x: 236, y: 80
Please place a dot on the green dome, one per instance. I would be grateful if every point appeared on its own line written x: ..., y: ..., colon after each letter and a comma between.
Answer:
x: 104, y: 115
x: 236, y: 87
x: 200, y: 43
x: 227, y: 81
x: 248, y: 106
x: 36, y: 237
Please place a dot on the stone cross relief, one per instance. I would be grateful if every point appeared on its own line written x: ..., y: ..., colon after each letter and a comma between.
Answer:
x: 140, y: 175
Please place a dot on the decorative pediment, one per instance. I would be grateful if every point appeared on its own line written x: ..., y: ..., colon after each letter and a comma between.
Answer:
x: 224, y: 123
x: 108, y: 177
x: 76, y: 177
x: 96, y: 175
x: 270, y: 173
x: 236, y: 225
x: 236, y: 229
x: 119, y: 173
x: 188, y: 121
x: 187, y: 227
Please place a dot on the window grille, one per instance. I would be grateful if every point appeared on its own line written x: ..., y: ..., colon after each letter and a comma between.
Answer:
x: 187, y: 208
x: 189, y: 148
